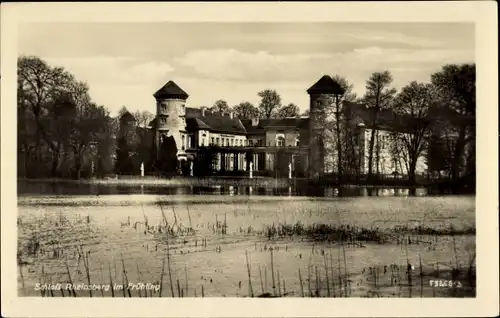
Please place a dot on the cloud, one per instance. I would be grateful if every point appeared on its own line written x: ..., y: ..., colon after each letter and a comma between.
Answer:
x: 232, y: 64
x: 263, y: 66
x: 106, y: 69
x: 238, y: 75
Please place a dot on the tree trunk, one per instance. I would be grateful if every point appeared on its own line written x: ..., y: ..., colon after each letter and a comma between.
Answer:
x: 78, y: 168
x: 339, y: 146
x: 55, y: 162
x: 457, y: 155
x: 377, y: 158
x: 370, y: 153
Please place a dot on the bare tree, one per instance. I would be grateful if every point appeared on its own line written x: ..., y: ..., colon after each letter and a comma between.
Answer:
x: 290, y: 110
x: 270, y: 102
x: 378, y: 96
x: 220, y: 106
x: 42, y: 90
x: 456, y: 86
x: 412, y: 106
x: 246, y: 110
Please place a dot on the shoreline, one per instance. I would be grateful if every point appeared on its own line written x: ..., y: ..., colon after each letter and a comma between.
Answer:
x: 215, y: 181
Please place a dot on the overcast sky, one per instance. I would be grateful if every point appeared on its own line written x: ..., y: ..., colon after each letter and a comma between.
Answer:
x: 125, y: 63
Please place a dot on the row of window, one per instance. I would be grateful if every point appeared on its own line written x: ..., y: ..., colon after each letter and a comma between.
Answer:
x: 163, y: 107
x: 231, y: 142
x: 228, y: 142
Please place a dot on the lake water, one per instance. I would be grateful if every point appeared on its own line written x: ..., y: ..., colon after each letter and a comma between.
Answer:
x: 70, y: 188
x: 228, y: 242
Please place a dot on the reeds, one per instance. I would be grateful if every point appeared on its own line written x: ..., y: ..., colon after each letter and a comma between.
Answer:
x: 301, y: 285
x: 170, y: 270
x: 354, y: 235
x: 111, y: 282
x: 272, y: 272
x: 161, y: 275
x: 125, y: 278
x: 249, y: 275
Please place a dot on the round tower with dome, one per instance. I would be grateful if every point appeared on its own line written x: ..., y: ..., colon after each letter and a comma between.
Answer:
x: 171, y: 117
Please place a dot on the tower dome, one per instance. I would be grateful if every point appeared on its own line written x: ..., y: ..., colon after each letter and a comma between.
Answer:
x: 170, y: 116
x: 322, y: 95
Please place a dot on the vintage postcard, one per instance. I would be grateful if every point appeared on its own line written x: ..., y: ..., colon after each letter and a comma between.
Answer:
x: 249, y: 159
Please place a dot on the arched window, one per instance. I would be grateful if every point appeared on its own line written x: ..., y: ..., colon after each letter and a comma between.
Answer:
x: 183, y: 142
x: 280, y: 141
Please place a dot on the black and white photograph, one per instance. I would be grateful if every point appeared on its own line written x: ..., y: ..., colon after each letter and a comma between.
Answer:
x: 288, y: 159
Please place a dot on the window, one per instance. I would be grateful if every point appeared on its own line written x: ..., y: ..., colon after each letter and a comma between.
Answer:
x: 163, y: 106
x: 183, y: 142
x: 223, y: 140
x: 217, y: 141
x: 240, y: 142
x: 183, y: 107
x: 212, y: 141
x: 297, y: 142
x: 232, y: 142
x: 280, y: 142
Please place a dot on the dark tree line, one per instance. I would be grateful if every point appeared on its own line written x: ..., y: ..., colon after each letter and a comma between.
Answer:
x: 270, y: 106
x: 61, y: 131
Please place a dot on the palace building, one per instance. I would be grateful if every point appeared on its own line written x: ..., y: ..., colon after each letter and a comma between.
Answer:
x: 276, y: 145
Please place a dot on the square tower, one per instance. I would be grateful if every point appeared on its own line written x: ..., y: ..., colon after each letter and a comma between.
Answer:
x: 322, y: 95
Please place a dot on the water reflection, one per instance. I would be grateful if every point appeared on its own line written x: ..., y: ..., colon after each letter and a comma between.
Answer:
x: 50, y: 188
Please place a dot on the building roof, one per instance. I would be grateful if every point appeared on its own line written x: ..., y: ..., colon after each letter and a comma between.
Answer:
x: 386, y: 118
x: 275, y: 123
x: 221, y: 124
x: 210, y: 122
x: 126, y: 117
x: 326, y: 85
x: 170, y: 90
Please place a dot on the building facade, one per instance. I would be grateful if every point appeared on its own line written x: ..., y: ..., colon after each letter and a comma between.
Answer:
x: 303, y: 145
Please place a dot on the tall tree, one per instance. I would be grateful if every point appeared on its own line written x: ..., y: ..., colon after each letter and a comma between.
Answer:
x: 456, y: 86
x: 107, y: 145
x: 145, y: 137
x: 246, y: 110
x: 290, y: 110
x: 270, y: 102
x: 349, y: 96
x: 220, y: 106
x: 59, y: 123
x: 378, y: 96
x: 412, y: 106
x: 42, y: 90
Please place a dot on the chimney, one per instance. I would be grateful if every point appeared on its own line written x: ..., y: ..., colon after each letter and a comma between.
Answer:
x: 203, y: 108
x: 231, y: 115
x: 255, y: 121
